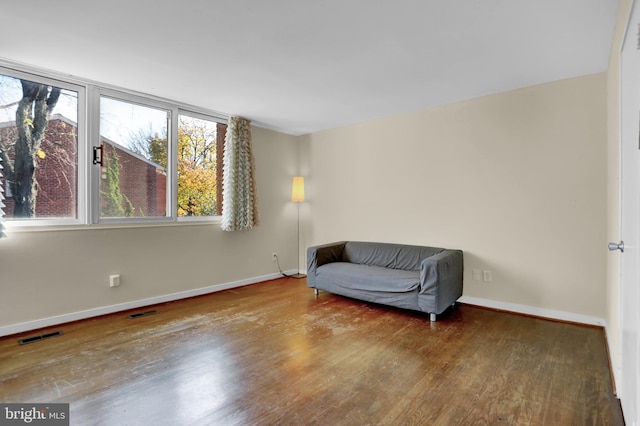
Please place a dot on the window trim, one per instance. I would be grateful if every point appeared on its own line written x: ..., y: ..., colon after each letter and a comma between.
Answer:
x: 88, y: 178
x: 97, y: 93
x: 219, y: 161
x: 81, y: 170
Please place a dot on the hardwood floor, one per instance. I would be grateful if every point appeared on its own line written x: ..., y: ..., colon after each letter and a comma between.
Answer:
x: 273, y: 353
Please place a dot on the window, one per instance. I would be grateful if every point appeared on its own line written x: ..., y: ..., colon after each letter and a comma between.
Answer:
x: 133, y: 175
x: 144, y: 159
x: 39, y: 145
x: 200, y: 145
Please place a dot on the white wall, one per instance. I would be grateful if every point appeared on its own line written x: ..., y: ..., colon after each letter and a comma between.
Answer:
x: 47, y: 274
x: 517, y: 180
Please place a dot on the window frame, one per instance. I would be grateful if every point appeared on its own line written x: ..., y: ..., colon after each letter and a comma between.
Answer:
x: 81, y: 149
x: 88, y: 129
x: 99, y: 92
x: 202, y: 116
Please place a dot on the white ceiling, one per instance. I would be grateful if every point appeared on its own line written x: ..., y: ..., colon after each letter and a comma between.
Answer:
x: 300, y: 66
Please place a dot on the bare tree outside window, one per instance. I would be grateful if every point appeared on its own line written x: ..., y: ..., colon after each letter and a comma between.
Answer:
x: 39, y: 155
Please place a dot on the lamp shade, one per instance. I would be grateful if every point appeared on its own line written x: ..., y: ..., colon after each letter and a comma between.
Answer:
x: 297, y: 190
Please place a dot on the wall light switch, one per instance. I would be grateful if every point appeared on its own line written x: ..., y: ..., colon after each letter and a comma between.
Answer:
x: 477, y: 275
x: 487, y: 276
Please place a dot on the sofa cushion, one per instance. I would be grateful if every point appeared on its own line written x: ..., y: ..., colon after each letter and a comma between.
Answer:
x: 395, y: 256
x: 369, y: 278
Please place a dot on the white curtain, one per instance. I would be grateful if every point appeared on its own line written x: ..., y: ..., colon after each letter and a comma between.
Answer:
x: 2, y: 233
x: 239, y: 201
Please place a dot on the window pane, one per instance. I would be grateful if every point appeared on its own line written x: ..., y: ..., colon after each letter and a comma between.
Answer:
x: 39, y: 146
x: 134, y: 171
x: 200, y: 144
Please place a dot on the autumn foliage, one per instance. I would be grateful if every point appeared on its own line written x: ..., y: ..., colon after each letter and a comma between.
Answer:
x: 197, y: 163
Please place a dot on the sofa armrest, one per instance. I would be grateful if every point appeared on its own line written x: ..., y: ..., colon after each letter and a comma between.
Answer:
x: 441, y: 280
x: 320, y: 255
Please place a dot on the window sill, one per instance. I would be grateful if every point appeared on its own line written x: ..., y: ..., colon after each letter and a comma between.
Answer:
x: 18, y: 229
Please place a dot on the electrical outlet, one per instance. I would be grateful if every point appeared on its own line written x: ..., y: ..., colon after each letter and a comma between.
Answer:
x: 274, y: 257
x: 487, y: 276
x: 114, y: 280
x: 477, y: 275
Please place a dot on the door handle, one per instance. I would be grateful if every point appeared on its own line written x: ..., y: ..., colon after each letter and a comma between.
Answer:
x: 617, y: 246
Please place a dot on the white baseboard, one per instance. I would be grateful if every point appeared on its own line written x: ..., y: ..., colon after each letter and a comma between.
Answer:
x: 554, y: 315
x: 75, y: 316
x: 532, y: 310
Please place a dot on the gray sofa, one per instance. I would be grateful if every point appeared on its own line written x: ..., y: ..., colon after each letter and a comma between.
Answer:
x: 426, y: 279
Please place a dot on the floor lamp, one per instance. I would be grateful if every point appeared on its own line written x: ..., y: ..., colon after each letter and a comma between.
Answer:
x: 297, y: 196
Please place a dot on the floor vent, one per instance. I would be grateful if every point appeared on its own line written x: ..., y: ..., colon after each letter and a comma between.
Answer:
x: 39, y: 338
x: 142, y: 314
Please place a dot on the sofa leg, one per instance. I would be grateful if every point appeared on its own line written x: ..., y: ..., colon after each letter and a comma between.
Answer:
x: 315, y: 291
x: 432, y: 317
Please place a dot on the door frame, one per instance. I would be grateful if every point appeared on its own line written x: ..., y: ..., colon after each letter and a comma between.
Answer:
x: 619, y: 373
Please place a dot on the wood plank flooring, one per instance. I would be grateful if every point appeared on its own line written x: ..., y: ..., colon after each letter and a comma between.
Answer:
x: 275, y: 354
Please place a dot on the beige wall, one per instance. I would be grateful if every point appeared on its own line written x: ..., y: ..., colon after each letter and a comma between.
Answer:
x: 46, y: 274
x: 520, y: 181
x: 517, y: 180
x: 613, y: 179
